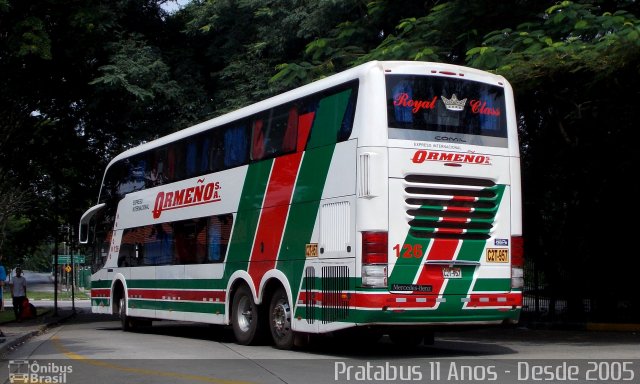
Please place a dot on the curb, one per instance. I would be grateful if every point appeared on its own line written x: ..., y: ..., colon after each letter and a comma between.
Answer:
x: 13, y: 341
x: 592, y: 327
x: 622, y: 327
x: 9, y: 344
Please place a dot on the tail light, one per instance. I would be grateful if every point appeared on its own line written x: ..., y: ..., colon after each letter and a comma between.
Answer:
x: 517, y: 262
x: 374, y: 259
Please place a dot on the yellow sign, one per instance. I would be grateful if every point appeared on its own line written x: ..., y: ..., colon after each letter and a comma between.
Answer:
x: 497, y: 255
x: 312, y: 250
x: 67, y: 268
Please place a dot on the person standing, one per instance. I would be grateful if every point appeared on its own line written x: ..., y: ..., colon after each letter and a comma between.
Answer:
x: 18, y: 292
x: 3, y: 277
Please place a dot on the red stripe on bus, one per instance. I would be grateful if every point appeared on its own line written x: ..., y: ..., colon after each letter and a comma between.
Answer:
x: 276, y: 206
x: 304, y: 128
x: 274, y: 216
x: 442, y: 249
x: 100, y: 292
x: 372, y: 301
x: 458, y: 209
x: 495, y: 300
x: 173, y: 294
x: 454, y: 219
x: 450, y: 230
x: 464, y: 198
x: 382, y: 300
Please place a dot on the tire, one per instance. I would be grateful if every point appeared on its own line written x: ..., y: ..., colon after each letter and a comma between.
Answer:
x: 128, y: 323
x: 280, y: 320
x: 245, y: 317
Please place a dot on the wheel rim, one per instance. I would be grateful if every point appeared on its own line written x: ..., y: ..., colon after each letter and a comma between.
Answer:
x: 281, y: 318
x: 123, y: 310
x: 245, y: 314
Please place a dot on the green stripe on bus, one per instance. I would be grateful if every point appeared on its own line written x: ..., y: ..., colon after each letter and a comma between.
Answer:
x: 470, y: 250
x: 246, y: 223
x: 328, y: 120
x: 406, y: 268
x: 177, y: 284
x: 101, y: 284
x: 309, y: 186
x: 492, y: 285
x: 177, y: 306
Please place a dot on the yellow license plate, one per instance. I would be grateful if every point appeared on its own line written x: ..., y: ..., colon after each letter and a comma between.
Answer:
x: 311, y: 250
x: 497, y: 255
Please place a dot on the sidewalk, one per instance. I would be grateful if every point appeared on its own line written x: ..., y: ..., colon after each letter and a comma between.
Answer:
x: 18, y: 332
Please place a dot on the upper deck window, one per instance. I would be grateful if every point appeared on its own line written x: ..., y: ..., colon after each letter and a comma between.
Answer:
x: 417, y: 106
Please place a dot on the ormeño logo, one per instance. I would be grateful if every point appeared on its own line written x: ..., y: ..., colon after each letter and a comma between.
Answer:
x: 24, y: 371
x: 203, y: 193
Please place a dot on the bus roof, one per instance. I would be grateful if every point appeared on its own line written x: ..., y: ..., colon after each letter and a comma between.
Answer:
x: 313, y: 87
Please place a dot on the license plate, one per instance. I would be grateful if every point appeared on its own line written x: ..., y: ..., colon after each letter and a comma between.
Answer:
x: 451, y: 273
x: 497, y: 255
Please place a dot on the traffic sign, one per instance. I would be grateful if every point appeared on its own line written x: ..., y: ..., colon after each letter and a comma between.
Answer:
x: 66, y: 259
x: 67, y: 268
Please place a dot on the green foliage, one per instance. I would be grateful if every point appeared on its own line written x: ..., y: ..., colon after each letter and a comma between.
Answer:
x: 139, y: 69
x: 568, y: 38
x: 82, y: 80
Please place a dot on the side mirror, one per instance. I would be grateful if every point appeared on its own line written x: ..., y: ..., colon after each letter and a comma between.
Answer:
x: 83, y: 229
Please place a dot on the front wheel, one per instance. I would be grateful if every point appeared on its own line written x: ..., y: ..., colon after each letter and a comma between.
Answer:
x: 245, y: 317
x: 280, y: 320
x: 128, y: 323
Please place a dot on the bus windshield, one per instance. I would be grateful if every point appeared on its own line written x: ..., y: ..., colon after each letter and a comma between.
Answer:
x: 418, y: 107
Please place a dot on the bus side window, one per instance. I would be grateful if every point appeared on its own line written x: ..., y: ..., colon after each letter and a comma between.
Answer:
x: 205, y: 153
x: 191, y: 158
x: 289, y: 142
x: 161, y: 165
x: 347, y: 120
x: 258, y: 138
x: 182, y: 251
x: 158, y: 246
x: 235, y: 146
x: 171, y: 164
x: 217, y: 153
x: 218, y: 233
x: 214, y: 253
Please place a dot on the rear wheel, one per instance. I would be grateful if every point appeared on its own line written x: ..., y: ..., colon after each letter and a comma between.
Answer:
x: 280, y: 320
x: 245, y: 317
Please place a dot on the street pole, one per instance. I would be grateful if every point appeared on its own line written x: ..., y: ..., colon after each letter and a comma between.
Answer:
x: 55, y: 274
x: 73, y: 271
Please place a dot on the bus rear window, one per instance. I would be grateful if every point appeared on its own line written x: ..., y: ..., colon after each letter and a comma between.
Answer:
x: 417, y: 106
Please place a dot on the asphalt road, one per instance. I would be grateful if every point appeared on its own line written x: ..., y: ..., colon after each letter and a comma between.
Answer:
x: 96, y: 350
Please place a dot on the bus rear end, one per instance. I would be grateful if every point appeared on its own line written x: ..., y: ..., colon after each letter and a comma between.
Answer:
x: 452, y: 254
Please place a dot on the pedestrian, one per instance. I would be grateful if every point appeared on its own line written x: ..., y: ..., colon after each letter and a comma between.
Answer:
x: 18, y: 292
x: 3, y: 277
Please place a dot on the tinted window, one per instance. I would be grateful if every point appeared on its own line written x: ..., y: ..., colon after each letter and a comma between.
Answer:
x: 443, y: 104
x: 194, y: 241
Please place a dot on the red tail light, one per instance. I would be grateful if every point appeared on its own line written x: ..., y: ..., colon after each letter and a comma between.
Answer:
x: 517, y: 251
x: 517, y: 263
x: 374, y: 247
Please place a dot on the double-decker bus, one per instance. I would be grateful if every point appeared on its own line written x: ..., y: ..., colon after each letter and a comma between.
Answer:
x: 386, y: 197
